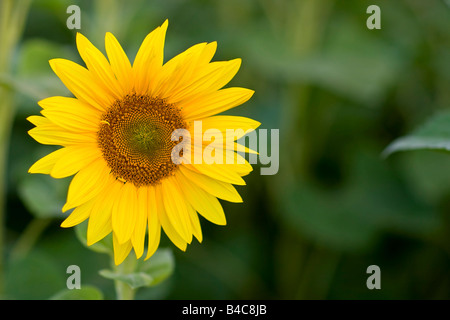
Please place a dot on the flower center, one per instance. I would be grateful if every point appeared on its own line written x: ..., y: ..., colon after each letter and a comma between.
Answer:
x: 135, y: 138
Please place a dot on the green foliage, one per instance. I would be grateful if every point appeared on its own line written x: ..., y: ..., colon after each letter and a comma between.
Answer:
x: 159, y: 266
x: 103, y: 246
x: 353, y: 218
x: 84, y: 293
x: 433, y: 135
x: 43, y: 195
x: 36, y: 276
x: 147, y: 273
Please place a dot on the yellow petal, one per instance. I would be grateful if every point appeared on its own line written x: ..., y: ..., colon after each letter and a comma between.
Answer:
x: 231, y: 124
x: 165, y: 222
x: 138, y: 236
x: 222, y: 172
x: 149, y: 58
x: 99, y: 227
x: 178, y: 72
x: 240, y: 148
x: 121, y: 250
x: 81, y: 83
x: 189, y: 66
x: 240, y: 165
x: 205, y: 203
x: 219, y: 189
x: 46, y: 164
x: 46, y: 132
x: 213, y: 77
x: 175, y: 208
x: 231, y: 164
x: 154, y: 226
x: 87, y: 184
x: 207, y: 53
x: 78, y: 215
x: 195, y: 224
x: 211, y: 103
x: 219, y: 73
x: 120, y: 64
x: 38, y: 120
x: 100, y: 219
x: 70, y: 114
x: 179, y: 75
x: 74, y: 159
x: 98, y: 65
x: 124, y: 213
x: 224, y: 146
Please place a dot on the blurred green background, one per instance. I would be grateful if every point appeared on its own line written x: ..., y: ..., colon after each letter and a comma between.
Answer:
x: 338, y: 92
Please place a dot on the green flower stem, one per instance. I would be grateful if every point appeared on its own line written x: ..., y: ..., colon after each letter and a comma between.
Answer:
x: 123, y: 290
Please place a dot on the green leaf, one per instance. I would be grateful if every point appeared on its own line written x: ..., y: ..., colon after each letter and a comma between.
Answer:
x: 433, y: 135
x: 34, y: 55
x: 42, y: 195
x: 147, y: 272
x: 35, y: 276
x: 385, y: 201
x: 160, y: 266
x: 427, y: 174
x: 26, y: 86
x: 85, y: 293
x: 326, y: 218
x: 103, y: 246
x: 353, y: 64
x: 346, y: 75
x: 134, y: 280
x: 351, y: 218
x: 34, y: 77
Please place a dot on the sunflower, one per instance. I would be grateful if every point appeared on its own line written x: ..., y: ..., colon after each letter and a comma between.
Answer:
x: 116, y: 138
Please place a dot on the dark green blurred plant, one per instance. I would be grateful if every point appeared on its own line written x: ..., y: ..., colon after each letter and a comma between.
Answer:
x: 12, y: 19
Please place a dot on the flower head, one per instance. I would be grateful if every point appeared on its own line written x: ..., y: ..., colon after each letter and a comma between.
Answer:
x: 116, y: 138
